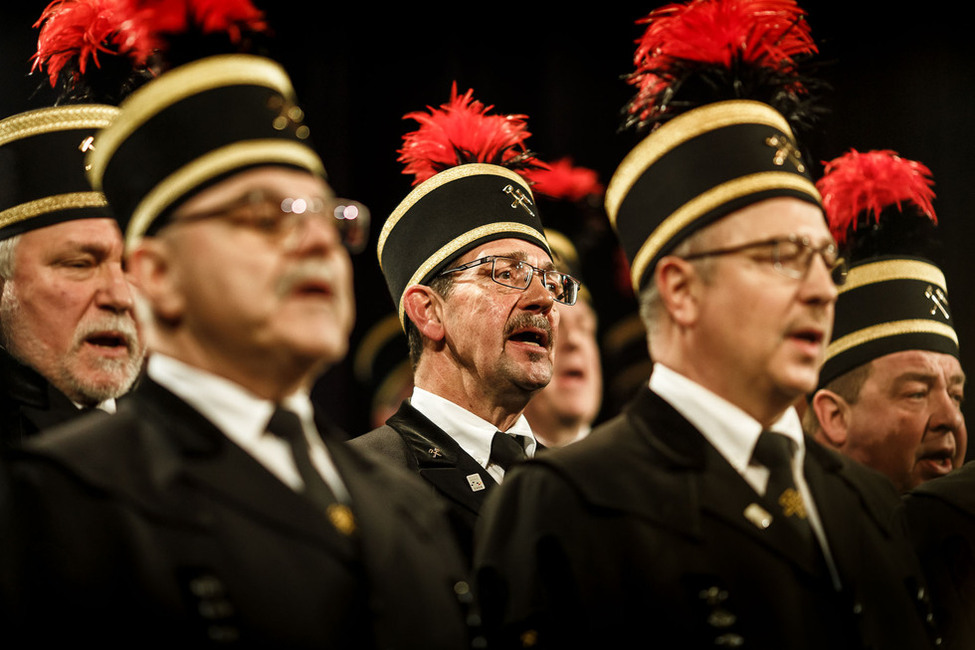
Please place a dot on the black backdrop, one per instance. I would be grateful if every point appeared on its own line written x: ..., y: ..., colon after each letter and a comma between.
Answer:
x: 901, y: 80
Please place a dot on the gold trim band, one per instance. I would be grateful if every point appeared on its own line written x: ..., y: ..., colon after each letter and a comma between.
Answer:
x: 888, y: 270
x: 679, y: 130
x: 438, y: 180
x: 703, y: 203
x: 385, y: 330
x: 214, y: 163
x: 883, y: 330
x: 176, y: 85
x: 48, y: 204
x: 55, y: 119
x: 457, y: 243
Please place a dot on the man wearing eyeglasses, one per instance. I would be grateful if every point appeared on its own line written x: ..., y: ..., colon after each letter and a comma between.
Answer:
x: 478, y: 300
x: 701, y: 516
x: 219, y: 506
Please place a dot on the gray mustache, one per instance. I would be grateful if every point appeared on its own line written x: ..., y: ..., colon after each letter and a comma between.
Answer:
x: 536, y: 321
x: 307, y: 271
x: 124, y: 326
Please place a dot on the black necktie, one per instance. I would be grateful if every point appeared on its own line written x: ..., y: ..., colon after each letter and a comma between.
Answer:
x: 286, y: 425
x: 775, y: 451
x: 506, y: 451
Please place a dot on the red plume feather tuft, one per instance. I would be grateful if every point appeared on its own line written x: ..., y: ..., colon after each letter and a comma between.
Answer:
x: 563, y: 180
x: 461, y: 131
x: 864, y: 184
x: 231, y: 17
x: 81, y: 29
x: 681, y: 40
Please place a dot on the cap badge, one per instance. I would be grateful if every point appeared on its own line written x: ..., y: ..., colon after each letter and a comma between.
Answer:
x: 519, y: 199
x: 785, y: 150
x: 940, y: 300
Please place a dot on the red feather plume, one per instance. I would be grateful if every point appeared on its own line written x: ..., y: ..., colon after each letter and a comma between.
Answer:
x: 682, y: 39
x: 79, y: 30
x: 231, y: 17
x: 462, y: 131
x: 864, y: 184
x: 562, y: 180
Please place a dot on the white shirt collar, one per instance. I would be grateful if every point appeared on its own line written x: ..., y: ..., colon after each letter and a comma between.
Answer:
x: 732, y: 431
x: 472, y: 433
x: 243, y: 417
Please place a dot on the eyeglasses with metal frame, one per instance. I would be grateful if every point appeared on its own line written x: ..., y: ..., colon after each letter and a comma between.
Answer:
x: 279, y: 219
x: 518, y: 274
x: 791, y: 256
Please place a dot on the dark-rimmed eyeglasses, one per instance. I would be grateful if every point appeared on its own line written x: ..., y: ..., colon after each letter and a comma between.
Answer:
x: 279, y: 220
x: 518, y: 274
x: 791, y: 256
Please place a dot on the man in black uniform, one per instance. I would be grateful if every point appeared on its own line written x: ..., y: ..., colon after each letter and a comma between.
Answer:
x: 216, y: 506
x: 67, y: 327
x: 701, y: 516
x: 891, y: 388
x: 467, y: 263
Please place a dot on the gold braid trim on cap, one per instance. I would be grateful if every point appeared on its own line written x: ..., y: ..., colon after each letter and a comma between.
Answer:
x: 385, y: 330
x: 54, y: 119
x: 680, y: 129
x: 704, y: 203
x: 438, y: 180
x: 176, y: 85
x: 211, y: 165
x: 459, y: 242
x: 562, y: 246
x: 49, y: 204
x: 883, y: 330
x: 887, y: 270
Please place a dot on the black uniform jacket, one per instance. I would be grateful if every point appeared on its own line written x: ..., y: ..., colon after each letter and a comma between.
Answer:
x: 638, y: 533
x: 412, y: 441
x: 152, y: 529
x: 941, y: 518
x: 28, y: 402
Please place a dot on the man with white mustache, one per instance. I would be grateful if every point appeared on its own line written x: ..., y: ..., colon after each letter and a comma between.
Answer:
x: 218, y: 503
x: 69, y: 336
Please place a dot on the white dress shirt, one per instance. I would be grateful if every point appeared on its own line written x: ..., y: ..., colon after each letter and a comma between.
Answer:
x: 734, y: 434
x: 472, y: 433
x: 242, y: 417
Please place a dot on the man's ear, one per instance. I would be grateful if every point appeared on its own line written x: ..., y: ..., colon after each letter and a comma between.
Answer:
x: 150, y: 271
x: 833, y: 413
x: 424, y: 307
x: 677, y: 281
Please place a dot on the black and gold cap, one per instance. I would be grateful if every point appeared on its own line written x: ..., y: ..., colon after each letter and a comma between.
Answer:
x: 42, y: 167
x: 880, y: 210
x: 449, y: 214
x: 192, y: 127
x: 469, y: 167
x: 887, y: 305
x: 720, y: 94
x: 697, y: 168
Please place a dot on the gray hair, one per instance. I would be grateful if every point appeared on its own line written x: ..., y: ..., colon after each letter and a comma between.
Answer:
x: 442, y: 284
x: 651, y: 305
x: 7, y: 248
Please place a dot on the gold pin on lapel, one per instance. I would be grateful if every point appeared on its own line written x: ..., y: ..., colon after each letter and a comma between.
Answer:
x: 758, y: 516
x: 341, y: 517
x: 434, y: 452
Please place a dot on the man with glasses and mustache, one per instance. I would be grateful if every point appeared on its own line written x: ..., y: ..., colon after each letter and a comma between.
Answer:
x: 701, y: 516
x: 476, y: 288
x: 218, y: 505
x: 67, y: 327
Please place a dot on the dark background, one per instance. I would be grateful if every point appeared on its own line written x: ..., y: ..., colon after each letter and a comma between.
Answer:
x: 900, y: 80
